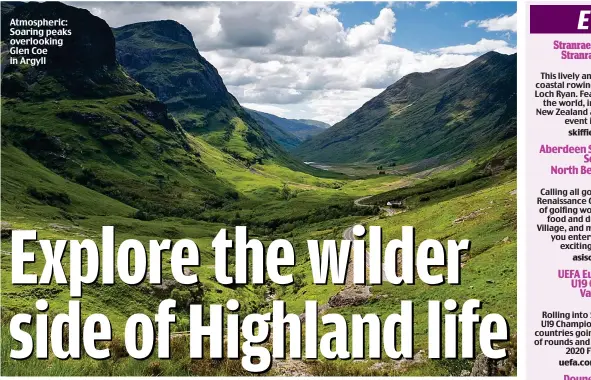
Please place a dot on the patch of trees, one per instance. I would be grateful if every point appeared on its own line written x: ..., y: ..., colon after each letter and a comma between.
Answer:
x: 50, y: 197
x: 286, y: 193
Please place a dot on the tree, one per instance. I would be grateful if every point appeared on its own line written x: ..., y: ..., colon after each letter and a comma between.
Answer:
x: 286, y: 193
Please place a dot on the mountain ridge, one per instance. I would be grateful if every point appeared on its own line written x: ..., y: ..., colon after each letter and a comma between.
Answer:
x: 425, y: 117
x: 163, y: 57
x: 316, y: 123
x: 301, y: 129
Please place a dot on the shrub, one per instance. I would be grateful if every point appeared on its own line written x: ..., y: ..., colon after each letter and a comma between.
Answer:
x: 154, y: 369
x: 49, y: 197
x: 142, y: 215
x: 182, y: 297
x: 117, y: 349
x: 179, y: 346
x: 286, y: 193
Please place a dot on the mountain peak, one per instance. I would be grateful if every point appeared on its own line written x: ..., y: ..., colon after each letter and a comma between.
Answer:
x: 493, y: 57
x: 84, y: 67
x: 147, y: 49
x: 166, y: 30
x: 91, y: 44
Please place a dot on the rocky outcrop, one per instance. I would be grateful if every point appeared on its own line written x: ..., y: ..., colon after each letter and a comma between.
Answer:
x: 162, y: 56
x: 6, y: 230
x: 484, y: 366
x: 85, y: 66
x: 352, y: 295
x: 90, y: 44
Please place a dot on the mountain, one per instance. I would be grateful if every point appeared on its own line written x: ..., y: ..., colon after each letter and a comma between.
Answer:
x: 287, y: 140
x: 162, y: 56
x: 302, y: 129
x: 82, y: 117
x: 8, y: 6
x: 315, y: 123
x: 427, y: 118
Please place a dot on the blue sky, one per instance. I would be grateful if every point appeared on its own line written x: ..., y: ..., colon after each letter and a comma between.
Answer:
x: 422, y: 29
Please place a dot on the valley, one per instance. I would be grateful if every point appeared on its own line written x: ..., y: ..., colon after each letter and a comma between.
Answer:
x: 140, y: 133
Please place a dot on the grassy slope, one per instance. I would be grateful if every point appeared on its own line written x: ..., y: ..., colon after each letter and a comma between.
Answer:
x: 82, y: 219
x: 301, y: 129
x: 287, y: 140
x: 491, y: 258
x: 483, y: 213
x: 60, y: 208
x: 136, y: 160
x: 432, y: 220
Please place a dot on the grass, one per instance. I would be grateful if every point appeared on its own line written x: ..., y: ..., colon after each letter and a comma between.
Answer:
x: 136, y: 160
x: 492, y: 256
x: 53, y: 202
x: 72, y: 163
x: 487, y: 218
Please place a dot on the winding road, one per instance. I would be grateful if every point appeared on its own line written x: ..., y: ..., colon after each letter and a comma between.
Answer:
x: 348, y: 235
x: 388, y: 210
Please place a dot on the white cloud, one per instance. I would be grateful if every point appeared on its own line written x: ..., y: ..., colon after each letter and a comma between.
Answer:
x: 296, y: 60
x: 278, y: 111
x: 379, y: 30
x: 432, y: 4
x: 497, y: 24
x: 324, y: 88
x: 482, y: 46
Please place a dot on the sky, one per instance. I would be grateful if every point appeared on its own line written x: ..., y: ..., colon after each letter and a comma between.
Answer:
x: 324, y: 60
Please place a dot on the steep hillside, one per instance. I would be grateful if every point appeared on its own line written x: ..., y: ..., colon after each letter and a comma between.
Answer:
x: 162, y: 56
x: 84, y: 118
x: 427, y: 117
x: 302, y: 129
x: 316, y: 123
x: 283, y: 138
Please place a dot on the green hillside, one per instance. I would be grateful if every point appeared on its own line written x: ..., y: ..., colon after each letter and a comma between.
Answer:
x: 162, y: 56
x: 316, y: 123
x: 302, y: 129
x: 287, y: 140
x: 141, y: 134
x: 88, y: 121
x: 427, y: 118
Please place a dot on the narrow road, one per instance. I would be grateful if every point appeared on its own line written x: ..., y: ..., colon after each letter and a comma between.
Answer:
x: 348, y: 235
x: 388, y: 210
